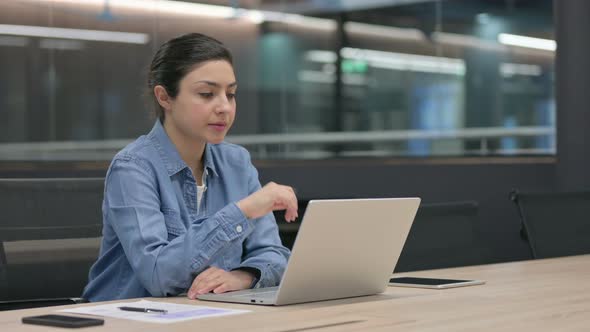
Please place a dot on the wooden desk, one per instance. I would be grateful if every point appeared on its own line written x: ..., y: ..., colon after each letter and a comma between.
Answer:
x: 549, y: 295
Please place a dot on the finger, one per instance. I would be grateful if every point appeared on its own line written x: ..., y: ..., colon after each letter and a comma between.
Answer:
x: 209, y: 286
x: 213, y: 282
x: 279, y: 205
x: 282, y: 205
x: 215, y: 278
x: 210, y: 273
x: 207, y: 273
x: 289, y: 207
x: 289, y: 214
x: 292, y: 215
x: 291, y: 202
x: 197, y: 284
x: 292, y: 195
x: 204, y: 275
x: 202, y: 285
x: 192, y: 292
x: 224, y: 287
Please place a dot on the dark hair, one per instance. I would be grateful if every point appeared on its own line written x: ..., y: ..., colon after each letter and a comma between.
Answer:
x: 177, y: 57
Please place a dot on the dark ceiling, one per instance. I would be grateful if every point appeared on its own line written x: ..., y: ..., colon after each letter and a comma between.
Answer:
x: 533, y: 17
x: 526, y: 16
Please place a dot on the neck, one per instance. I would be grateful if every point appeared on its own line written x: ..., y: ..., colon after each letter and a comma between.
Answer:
x: 190, y: 151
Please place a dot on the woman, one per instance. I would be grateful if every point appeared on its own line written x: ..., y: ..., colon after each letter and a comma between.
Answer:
x: 183, y: 211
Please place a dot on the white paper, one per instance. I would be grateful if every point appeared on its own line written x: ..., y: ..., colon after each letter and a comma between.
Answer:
x: 176, y: 312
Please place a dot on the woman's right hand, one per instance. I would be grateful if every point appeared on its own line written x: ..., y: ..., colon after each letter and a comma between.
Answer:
x: 269, y: 198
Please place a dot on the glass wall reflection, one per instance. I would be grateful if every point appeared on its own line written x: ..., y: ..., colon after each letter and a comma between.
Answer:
x: 316, y: 79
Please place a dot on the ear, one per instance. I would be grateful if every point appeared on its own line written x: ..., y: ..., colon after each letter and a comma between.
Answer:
x: 163, y: 98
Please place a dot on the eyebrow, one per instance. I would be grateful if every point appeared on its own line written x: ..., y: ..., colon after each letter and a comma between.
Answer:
x: 215, y: 84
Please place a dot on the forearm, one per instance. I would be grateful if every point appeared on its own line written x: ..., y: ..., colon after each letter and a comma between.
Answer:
x: 265, y: 252
x: 167, y: 267
x: 270, y: 273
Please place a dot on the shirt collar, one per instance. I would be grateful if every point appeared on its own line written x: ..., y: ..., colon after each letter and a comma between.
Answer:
x: 169, y: 154
x: 209, y: 164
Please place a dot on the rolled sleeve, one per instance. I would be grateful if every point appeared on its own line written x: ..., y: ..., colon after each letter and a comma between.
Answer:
x: 264, y: 252
x: 263, y: 248
x: 233, y: 222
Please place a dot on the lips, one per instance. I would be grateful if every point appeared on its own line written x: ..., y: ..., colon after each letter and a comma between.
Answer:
x: 219, y: 126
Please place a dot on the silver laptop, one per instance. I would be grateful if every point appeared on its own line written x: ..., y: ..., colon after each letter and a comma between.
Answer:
x: 344, y: 248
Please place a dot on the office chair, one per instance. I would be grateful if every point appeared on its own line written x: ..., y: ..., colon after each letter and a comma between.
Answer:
x: 49, y: 237
x: 442, y: 235
x: 554, y: 224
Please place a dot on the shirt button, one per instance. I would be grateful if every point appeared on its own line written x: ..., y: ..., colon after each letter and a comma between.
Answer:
x: 239, y: 228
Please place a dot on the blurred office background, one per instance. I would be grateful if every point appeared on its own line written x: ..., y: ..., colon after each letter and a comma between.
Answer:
x: 318, y: 79
x: 449, y: 100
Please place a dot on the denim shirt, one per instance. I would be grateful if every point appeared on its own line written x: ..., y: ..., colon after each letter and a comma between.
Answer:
x: 155, y: 237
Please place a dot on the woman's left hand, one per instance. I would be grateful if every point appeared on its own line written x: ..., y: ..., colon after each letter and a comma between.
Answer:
x: 220, y: 281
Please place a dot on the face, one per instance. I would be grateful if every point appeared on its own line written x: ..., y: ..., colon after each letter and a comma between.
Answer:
x: 205, y: 107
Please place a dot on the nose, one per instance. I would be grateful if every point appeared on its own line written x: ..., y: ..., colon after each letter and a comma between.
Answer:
x: 224, y: 105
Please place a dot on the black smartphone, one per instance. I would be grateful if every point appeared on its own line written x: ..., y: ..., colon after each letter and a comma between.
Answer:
x: 435, y: 283
x: 62, y: 321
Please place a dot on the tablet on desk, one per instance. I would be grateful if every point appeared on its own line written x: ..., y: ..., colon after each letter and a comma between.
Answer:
x: 434, y: 283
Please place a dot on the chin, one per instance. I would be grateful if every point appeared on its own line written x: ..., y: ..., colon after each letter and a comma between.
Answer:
x: 216, y: 140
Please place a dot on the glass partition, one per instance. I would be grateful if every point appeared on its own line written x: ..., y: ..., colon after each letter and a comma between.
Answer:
x: 317, y: 79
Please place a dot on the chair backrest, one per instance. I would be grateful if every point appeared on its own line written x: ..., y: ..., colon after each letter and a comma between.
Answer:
x: 442, y: 235
x: 555, y: 223
x: 49, y: 236
x: 288, y: 231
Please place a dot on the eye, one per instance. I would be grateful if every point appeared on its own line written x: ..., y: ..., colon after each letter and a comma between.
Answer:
x: 231, y: 96
x: 206, y: 94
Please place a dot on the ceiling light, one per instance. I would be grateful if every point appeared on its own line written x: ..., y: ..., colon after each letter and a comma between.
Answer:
x: 78, y: 34
x: 530, y: 42
x: 384, y: 31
